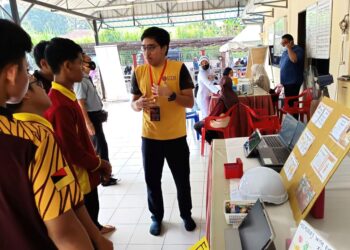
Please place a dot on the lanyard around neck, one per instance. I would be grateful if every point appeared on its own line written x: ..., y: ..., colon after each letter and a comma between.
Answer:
x: 161, y: 75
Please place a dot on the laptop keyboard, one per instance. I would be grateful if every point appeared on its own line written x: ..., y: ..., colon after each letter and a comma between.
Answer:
x: 281, y: 154
x: 273, y: 141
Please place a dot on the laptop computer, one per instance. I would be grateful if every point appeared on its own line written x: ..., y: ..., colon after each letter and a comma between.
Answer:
x: 275, y: 149
x: 249, y: 147
x: 254, y: 233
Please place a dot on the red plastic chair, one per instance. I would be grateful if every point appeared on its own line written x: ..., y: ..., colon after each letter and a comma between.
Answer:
x: 301, y: 107
x: 267, y: 124
x: 227, y: 131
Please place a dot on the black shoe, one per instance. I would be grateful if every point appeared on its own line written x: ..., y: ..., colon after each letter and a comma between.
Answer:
x: 190, y: 225
x: 110, y: 182
x: 155, y: 228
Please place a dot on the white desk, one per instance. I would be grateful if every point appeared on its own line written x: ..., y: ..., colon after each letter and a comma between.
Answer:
x: 335, y: 227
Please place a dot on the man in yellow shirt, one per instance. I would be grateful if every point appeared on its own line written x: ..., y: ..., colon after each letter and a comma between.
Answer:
x: 162, y: 89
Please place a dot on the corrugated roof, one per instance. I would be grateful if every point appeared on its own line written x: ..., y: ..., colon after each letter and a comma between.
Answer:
x: 126, y: 13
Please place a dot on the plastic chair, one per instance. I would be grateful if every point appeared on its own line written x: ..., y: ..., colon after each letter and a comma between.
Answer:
x: 228, y: 131
x: 267, y: 124
x: 193, y: 115
x: 301, y: 107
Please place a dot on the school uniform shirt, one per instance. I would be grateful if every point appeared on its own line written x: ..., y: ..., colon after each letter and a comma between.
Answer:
x: 36, y: 183
x: 68, y: 122
x: 172, y: 122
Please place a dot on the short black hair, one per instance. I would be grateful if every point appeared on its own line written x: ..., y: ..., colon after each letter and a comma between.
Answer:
x: 161, y: 36
x: 14, y: 43
x: 227, y: 71
x: 60, y: 50
x: 39, y: 52
x: 289, y: 37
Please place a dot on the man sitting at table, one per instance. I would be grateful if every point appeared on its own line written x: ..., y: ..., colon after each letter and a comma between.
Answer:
x: 227, y: 99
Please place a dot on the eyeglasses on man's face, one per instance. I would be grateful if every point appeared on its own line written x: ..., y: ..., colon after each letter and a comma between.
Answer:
x: 149, y: 48
x: 37, y: 82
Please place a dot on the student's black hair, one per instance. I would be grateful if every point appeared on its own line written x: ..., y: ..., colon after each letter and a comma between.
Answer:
x: 161, y: 36
x: 289, y: 37
x: 39, y: 52
x: 60, y: 50
x: 227, y: 71
x: 14, y: 43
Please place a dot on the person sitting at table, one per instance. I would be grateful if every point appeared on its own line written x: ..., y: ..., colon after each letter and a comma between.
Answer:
x: 206, y: 81
x: 260, y: 77
x: 227, y: 99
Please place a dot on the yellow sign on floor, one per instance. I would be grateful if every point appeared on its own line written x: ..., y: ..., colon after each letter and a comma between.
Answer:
x: 202, y: 244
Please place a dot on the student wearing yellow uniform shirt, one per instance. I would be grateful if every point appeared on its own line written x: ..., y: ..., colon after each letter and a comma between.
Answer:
x: 162, y: 89
x: 31, y: 110
x: 40, y: 200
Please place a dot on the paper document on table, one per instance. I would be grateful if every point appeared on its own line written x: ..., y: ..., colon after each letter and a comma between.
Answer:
x: 341, y: 131
x: 305, y: 141
x: 321, y: 114
x: 306, y: 237
x: 291, y: 166
x: 323, y: 163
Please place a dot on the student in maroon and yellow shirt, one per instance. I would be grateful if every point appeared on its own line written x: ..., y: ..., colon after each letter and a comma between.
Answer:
x: 65, y: 60
x: 31, y: 110
x: 38, y: 193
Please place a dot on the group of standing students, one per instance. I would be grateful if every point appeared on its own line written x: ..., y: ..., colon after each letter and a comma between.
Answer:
x: 51, y: 166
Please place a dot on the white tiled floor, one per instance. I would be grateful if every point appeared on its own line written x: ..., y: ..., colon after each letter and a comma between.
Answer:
x: 125, y: 205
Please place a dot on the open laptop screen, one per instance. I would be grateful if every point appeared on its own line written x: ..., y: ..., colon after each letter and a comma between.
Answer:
x: 252, y: 142
x: 298, y: 131
x: 255, y: 231
x: 288, y: 128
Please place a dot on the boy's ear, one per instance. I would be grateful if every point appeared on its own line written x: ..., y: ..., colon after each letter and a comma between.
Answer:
x: 11, y: 73
x: 66, y: 65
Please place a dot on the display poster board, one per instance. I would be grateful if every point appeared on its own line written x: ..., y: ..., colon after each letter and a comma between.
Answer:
x: 280, y: 28
x: 111, y: 72
x: 306, y: 237
x: 316, y: 156
x: 318, y: 29
x: 257, y: 55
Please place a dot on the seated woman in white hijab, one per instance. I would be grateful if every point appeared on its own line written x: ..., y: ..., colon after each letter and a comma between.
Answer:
x: 206, y: 80
x: 260, y: 77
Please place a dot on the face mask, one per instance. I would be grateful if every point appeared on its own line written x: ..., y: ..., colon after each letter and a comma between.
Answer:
x: 92, y: 65
x: 205, y: 67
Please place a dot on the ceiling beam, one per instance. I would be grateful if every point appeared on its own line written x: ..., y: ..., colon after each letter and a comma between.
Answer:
x: 57, y: 8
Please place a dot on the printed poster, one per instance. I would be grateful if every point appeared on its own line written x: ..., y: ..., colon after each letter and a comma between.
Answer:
x: 323, y: 163
x: 305, y: 141
x: 290, y: 166
x: 341, y: 131
x: 304, y: 193
x: 321, y: 115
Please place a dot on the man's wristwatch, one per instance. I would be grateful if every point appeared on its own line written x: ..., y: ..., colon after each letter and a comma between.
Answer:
x: 172, y: 97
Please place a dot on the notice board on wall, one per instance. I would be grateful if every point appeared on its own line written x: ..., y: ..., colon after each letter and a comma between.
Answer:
x: 316, y: 156
x: 318, y: 29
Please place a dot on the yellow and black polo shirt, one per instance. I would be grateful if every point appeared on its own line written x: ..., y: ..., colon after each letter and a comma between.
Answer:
x: 36, y: 183
x: 172, y: 122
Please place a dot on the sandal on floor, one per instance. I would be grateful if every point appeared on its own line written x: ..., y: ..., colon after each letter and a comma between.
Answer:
x: 107, y: 229
x: 110, y: 182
